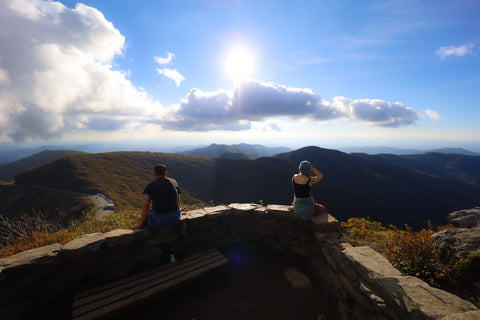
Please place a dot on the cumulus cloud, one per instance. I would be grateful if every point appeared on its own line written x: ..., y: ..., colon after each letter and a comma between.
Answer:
x: 376, y: 112
x: 254, y: 101
x: 201, y: 111
x: 444, y: 52
x: 172, y: 74
x: 55, y: 71
x: 433, y: 114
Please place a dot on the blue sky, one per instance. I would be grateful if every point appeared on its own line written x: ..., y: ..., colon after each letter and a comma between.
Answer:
x: 292, y: 73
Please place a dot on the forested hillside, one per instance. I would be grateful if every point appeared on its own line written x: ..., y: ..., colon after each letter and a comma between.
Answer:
x: 122, y: 176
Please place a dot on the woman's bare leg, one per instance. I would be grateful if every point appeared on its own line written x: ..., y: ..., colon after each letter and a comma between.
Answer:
x: 319, y: 209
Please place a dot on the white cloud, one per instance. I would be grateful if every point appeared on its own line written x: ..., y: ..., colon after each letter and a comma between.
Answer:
x: 56, y: 75
x: 201, y: 111
x: 166, y: 60
x: 171, y: 74
x: 376, y: 112
x: 433, y: 114
x: 254, y: 101
x: 444, y: 52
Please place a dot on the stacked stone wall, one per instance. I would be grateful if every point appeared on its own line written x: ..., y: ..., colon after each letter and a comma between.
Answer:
x: 364, y: 284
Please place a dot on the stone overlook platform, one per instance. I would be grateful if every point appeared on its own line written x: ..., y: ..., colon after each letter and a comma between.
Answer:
x: 363, y: 283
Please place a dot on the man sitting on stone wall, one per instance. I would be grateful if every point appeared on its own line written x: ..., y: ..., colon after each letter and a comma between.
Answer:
x: 163, y: 194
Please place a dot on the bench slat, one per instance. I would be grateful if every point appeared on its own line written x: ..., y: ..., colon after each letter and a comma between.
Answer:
x: 139, y: 287
x: 106, y: 309
x: 93, y: 294
x: 147, y: 277
x: 124, y: 298
x: 129, y: 279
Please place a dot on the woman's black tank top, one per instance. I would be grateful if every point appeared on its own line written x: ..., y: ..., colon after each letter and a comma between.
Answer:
x: 301, y: 190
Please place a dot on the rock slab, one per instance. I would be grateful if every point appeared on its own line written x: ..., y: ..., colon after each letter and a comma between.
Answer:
x: 469, y: 218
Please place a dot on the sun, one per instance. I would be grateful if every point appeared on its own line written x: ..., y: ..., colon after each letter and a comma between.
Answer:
x: 239, y: 63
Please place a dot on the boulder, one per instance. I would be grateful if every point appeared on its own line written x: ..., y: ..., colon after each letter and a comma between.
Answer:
x: 461, y: 241
x: 469, y: 218
x: 471, y: 315
x: 425, y: 302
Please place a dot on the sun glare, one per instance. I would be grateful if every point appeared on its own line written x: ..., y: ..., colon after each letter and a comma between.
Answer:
x: 239, y: 63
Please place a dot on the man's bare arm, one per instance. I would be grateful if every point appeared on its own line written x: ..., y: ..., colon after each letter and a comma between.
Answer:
x: 180, y: 203
x: 145, y: 209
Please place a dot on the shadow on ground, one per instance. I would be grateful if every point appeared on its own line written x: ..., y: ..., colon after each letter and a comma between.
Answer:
x: 252, y: 286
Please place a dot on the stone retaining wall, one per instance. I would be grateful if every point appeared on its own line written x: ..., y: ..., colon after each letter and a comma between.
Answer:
x: 365, y: 284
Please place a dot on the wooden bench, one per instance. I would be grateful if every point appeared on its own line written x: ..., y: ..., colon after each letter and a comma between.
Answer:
x: 103, y: 300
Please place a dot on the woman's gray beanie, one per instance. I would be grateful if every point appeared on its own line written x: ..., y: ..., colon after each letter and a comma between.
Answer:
x: 304, y: 166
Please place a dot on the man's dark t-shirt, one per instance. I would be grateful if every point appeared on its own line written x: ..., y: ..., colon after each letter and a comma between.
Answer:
x: 164, y: 194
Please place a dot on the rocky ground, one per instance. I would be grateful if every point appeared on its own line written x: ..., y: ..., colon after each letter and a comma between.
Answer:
x: 465, y: 240
x: 258, y: 283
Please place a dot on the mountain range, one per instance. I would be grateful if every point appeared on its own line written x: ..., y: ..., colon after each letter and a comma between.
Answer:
x: 388, y: 188
x: 236, y: 151
x: 10, y: 153
x: 456, y: 166
x: 400, y: 151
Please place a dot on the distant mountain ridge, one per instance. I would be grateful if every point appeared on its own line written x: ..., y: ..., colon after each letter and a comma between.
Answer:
x: 455, y: 166
x: 9, y: 170
x: 234, y: 151
x: 354, y: 185
x: 454, y: 151
x: 10, y: 155
x: 381, y: 149
x: 401, y: 151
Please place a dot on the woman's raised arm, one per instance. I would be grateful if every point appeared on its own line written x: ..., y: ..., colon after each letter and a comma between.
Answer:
x: 318, y: 176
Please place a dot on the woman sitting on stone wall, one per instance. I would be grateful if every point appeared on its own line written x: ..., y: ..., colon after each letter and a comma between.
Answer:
x: 304, y: 205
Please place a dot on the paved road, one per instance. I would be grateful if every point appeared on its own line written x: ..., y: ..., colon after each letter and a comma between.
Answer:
x: 104, y: 205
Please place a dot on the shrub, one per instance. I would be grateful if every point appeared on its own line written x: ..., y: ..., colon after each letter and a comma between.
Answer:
x: 36, y: 240
x: 29, y: 232
x: 122, y: 219
x: 25, y: 227
x: 363, y: 229
x: 415, y: 253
